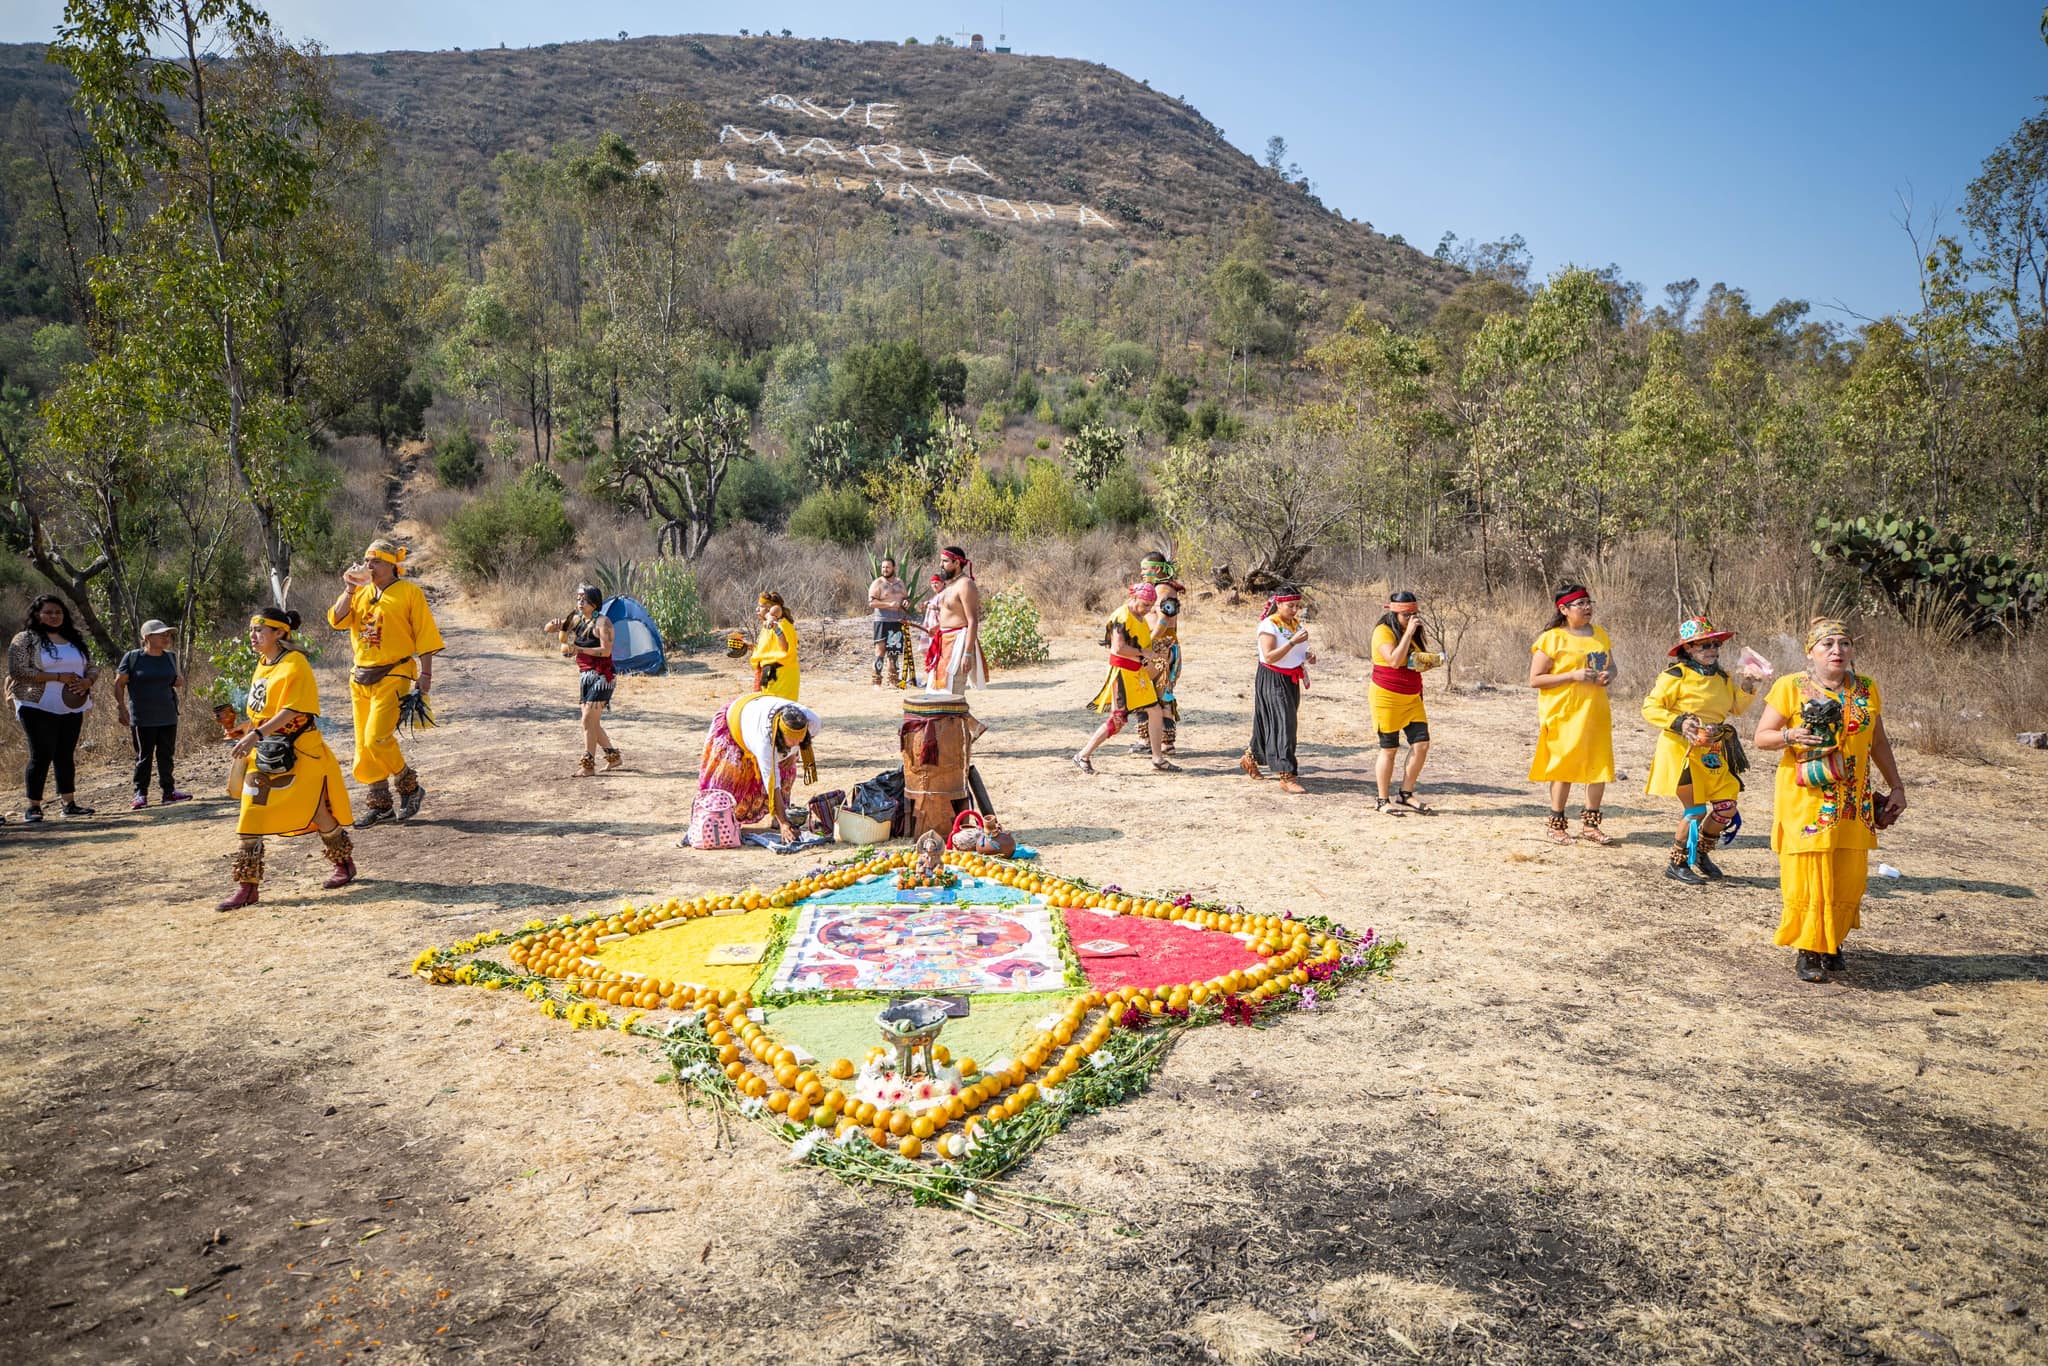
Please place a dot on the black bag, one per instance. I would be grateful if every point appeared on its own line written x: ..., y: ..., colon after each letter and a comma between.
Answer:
x: 880, y: 798
x: 276, y: 754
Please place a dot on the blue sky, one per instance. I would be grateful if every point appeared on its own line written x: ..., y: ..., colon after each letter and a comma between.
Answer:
x: 1765, y: 145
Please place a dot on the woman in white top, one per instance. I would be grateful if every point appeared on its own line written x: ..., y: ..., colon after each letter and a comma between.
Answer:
x: 49, y: 680
x: 1284, y: 658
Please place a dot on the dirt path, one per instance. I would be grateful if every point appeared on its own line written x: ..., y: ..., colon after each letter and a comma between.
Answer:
x: 1591, y: 1116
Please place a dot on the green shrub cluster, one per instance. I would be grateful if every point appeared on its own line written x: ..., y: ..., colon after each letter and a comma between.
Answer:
x: 1919, y: 569
x: 1010, y: 630
x: 835, y: 516
x: 458, y: 459
x: 670, y: 594
x: 519, y: 525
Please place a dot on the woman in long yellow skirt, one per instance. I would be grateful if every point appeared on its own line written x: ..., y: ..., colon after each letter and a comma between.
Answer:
x: 774, y: 657
x: 298, y: 790
x: 1828, y: 724
x: 1570, y: 666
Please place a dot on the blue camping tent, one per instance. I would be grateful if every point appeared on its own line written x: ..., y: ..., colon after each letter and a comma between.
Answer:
x: 636, y: 642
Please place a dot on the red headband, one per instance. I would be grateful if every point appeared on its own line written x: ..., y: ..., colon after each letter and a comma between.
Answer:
x: 1576, y: 595
x: 1279, y: 598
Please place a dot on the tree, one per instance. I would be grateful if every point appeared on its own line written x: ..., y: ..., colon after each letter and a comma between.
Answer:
x: 1277, y: 497
x: 672, y: 469
x: 1276, y: 153
x: 887, y: 392
x: 230, y: 156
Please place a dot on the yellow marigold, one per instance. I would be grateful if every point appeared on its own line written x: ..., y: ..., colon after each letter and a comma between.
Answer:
x: 565, y: 919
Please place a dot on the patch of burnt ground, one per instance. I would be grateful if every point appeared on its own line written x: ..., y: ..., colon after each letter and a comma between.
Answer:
x: 154, y: 1207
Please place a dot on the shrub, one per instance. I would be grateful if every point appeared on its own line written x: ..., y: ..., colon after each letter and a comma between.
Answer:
x: 1214, y: 422
x: 1126, y: 362
x: 671, y: 597
x: 1043, y: 443
x: 834, y: 516
x: 516, y: 526
x: 1043, y: 412
x: 1050, y: 505
x: 991, y: 418
x: 458, y: 459
x: 1025, y: 396
x: 977, y: 506
x: 541, y: 479
x: 1919, y: 568
x: 1120, y: 499
x: 1092, y: 452
x: 755, y: 491
x: 1010, y: 632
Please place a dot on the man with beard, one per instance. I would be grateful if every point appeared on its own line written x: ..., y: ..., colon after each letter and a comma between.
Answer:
x: 954, y: 655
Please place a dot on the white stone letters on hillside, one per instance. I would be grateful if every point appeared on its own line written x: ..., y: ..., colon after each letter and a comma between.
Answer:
x: 855, y: 166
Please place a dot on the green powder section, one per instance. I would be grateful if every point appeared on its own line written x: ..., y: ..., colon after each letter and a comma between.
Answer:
x: 678, y: 953
x: 996, y: 1027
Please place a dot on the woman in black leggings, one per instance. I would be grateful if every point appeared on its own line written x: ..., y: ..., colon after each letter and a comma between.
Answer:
x: 49, y: 680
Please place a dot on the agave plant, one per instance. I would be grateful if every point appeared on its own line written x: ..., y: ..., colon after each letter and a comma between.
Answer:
x: 618, y: 579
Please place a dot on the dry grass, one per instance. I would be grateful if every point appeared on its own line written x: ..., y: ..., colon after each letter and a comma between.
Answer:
x: 1244, y: 1336
x: 1407, y: 1311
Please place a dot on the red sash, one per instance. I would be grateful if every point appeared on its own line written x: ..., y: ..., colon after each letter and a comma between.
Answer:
x: 597, y: 664
x: 1397, y: 680
x: 1299, y: 675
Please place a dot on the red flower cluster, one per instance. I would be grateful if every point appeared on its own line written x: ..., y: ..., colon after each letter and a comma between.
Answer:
x: 1238, y: 1011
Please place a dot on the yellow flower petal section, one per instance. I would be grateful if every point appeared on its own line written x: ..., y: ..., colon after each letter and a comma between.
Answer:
x: 678, y: 953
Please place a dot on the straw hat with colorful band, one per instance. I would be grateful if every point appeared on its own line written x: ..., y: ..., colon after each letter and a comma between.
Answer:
x: 1697, y: 631
x: 274, y: 623
x: 1576, y: 595
x: 1822, y: 629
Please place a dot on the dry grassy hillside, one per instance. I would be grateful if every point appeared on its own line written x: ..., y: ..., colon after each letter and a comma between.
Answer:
x: 1048, y: 128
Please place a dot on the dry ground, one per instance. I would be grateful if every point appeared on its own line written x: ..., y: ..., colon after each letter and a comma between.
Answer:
x: 1592, y: 1116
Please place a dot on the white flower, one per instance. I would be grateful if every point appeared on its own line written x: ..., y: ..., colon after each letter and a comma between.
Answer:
x: 800, y: 1150
x: 1100, y: 1059
x: 1051, y: 1096
x: 752, y: 1107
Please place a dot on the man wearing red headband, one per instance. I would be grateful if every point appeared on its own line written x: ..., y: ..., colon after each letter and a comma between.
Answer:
x: 957, y: 662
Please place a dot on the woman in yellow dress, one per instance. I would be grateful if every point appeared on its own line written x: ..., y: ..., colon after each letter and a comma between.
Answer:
x: 1828, y: 724
x: 1699, y: 760
x: 774, y: 657
x: 1128, y: 688
x: 293, y: 784
x: 1396, y: 696
x: 1570, y: 666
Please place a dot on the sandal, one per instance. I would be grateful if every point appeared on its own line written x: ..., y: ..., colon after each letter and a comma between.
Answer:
x: 1250, y: 767
x: 1166, y: 766
x: 1559, y: 832
x: 1413, y: 803
x: 1086, y: 766
x: 1381, y: 806
x: 1590, y: 831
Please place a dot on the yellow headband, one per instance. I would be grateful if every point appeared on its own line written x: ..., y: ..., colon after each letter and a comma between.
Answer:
x: 275, y: 623
x: 1821, y: 630
x: 394, y: 558
x: 792, y: 725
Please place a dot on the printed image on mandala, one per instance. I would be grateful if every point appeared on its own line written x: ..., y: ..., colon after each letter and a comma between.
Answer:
x: 921, y: 948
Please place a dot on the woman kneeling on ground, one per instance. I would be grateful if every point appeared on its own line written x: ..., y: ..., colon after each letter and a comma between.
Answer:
x: 586, y: 635
x: 293, y: 784
x: 751, y: 751
x: 1699, y: 760
x: 1829, y: 724
x: 1398, y: 659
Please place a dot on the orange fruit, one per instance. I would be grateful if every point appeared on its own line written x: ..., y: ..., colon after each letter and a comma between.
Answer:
x: 800, y: 1109
x: 910, y: 1147
x: 922, y: 1127
x: 778, y: 1102
x: 968, y: 1067
x: 841, y: 1069
x: 899, y: 1122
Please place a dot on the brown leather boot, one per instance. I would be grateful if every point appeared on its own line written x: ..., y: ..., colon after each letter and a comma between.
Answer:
x: 341, y: 853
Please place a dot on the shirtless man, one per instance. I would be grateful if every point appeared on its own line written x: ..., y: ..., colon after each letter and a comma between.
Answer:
x: 889, y: 596
x: 959, y: 663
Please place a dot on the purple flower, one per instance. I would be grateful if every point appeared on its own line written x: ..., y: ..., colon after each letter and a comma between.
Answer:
x: 1306, y: 996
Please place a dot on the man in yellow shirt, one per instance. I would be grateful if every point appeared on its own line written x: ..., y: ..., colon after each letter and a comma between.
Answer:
x: 395, y: 640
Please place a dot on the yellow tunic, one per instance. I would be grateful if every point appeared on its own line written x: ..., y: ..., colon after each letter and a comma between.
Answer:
x: 285, y: 803
x: 1824, y: 835
x: 389, y: 626
x: 1683, y: 690
x: 777, y: 647
x: 1391, y: 711
x: 1138, y: 690
x: 1575, y: 734
x: 386, y: 626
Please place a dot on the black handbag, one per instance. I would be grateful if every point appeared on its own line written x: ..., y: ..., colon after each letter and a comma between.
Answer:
x: 276, y: 754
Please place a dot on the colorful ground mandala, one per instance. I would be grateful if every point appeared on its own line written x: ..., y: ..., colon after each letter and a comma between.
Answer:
x: 1062, y: 997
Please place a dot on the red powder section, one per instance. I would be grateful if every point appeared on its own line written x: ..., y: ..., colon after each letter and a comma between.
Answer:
x: 1167, y: 953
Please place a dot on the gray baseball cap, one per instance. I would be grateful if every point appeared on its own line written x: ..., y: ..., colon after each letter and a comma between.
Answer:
x: 153, y: 627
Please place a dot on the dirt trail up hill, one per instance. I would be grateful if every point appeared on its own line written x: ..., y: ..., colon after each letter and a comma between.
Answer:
x: 1592, y: 1116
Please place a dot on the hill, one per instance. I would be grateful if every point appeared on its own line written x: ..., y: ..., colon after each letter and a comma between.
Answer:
x: 1109, y: 156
